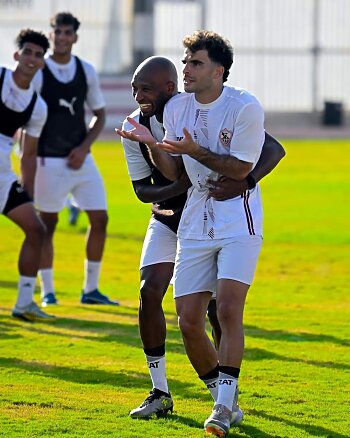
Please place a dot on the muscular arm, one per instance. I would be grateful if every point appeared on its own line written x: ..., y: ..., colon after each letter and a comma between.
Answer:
x: 146, y: 191
x: 271, y: 154
x: 77, y: 156
x: 28, y: 163
x: 226, y: 165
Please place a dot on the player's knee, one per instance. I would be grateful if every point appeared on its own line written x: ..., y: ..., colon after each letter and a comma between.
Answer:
x: 150, y: 294
x: 36, y: 231
x: 50, y: 223
x: 99, y: 222
x: 189, y: 326
x: 227, y: 312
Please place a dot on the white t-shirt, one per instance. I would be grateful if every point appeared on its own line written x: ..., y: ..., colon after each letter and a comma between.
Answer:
x: 66, y: 72
x: 18, y: 99
x: 138, y: 167
x: 231, y: 125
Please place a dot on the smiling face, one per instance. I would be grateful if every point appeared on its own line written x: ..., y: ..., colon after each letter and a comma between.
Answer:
x: 30, y: 59
x: 201, y: 75
x: 152, y: 88
x: 63, y: 38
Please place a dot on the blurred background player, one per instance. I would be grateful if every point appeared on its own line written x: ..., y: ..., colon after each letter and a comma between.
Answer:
x: 65, y: 164
x: 22, y: 107
x: 153, y: 84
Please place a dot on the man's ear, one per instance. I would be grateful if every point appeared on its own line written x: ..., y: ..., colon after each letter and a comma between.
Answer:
x: 16, y: 56
x: 220, y: 70
x: 170, y: 87
x: 76, y: 38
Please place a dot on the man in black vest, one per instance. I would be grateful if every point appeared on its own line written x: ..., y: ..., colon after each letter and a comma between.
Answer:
x: 65, y: 164
x: 153, y: 84
x: 21, y: 107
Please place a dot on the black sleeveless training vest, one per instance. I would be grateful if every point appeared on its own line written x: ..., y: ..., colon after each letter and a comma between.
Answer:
x: 11, y: 120
x: 65, y: 126
x: 168, y: 212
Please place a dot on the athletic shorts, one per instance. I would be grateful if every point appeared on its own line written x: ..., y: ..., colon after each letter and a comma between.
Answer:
x: 159, y: 245
x: 16, y: 197
x: 54, y: 181
x: 200, y: 263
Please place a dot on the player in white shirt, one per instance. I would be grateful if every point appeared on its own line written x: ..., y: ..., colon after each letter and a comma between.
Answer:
x: 153, y: 84
x: 22, y: 108
x: 216, y: 131
x: 65, y: 164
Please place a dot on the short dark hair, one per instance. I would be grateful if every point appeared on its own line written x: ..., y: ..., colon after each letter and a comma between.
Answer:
x: 32, y: 36
x: 219, y: 49
x: 65, y: 19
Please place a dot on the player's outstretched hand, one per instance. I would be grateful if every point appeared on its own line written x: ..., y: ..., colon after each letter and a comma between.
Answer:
x: 139, y: 133
x: 184, y: 146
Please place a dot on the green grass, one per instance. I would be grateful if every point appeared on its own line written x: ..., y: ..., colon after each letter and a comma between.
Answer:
x: 80, y: 376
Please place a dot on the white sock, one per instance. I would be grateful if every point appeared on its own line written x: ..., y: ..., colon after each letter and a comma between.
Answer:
x: 156, y: 367
x: 26, y: 286
x: 91, y: 275
x: 212, y: 385
x: 226, y: 391
x: 46, y: 281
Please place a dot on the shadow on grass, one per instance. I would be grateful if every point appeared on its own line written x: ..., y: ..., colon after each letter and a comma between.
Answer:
x: 310, y: 429
x: 255, y: 354
x: 8, y: 284
x: 281, y: 335
x: 123, y: 379
x: 85, y: 329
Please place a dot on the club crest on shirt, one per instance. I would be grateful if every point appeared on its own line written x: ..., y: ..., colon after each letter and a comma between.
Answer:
x: 225, y: 137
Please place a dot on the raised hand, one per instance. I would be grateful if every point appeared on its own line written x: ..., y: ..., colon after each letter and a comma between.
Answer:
x: 185, y: 146
x: 139, y: 133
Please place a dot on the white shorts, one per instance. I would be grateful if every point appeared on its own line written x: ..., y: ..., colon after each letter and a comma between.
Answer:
x: 200, y: 263
x: 54, y: 181
x: 5, y: 187
x: 159, y: 245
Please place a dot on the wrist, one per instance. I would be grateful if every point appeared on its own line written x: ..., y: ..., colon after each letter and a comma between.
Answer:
x: 251, y: 181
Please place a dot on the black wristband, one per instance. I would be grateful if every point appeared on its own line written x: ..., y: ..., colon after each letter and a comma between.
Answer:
x: 251, y: 181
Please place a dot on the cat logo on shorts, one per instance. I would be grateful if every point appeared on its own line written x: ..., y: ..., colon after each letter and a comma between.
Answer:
x: 225, y: 137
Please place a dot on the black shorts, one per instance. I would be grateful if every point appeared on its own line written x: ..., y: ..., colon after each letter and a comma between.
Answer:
x: 17, y: 196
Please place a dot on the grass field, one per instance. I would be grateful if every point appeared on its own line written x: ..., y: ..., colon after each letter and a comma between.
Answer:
x: 81, y: 375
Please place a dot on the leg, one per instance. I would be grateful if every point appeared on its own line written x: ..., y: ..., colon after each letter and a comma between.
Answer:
x: 236, y: 259
x: 46, y: 264
x: 47, y: 255
x: 214, y: 322
x: 156, y: 269
x: 155, y: 280
x: 95, y: 242
x: 29, y: 257
x: 28, y: 262
x: 191, y: 310
x: 230, y: 305
x: 96, y: 235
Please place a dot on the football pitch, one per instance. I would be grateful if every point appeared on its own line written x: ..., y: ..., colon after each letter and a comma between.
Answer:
x: 81, y: 375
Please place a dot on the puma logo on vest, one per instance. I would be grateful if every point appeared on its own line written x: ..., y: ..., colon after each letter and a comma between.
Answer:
x: 63, y: 102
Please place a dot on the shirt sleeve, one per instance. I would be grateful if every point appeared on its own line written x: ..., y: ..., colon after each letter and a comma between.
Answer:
x: 38, y: 118
x: 136, y: 164
x: 249, y: 133
x: 94, y: 99
x: 37, y: 81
